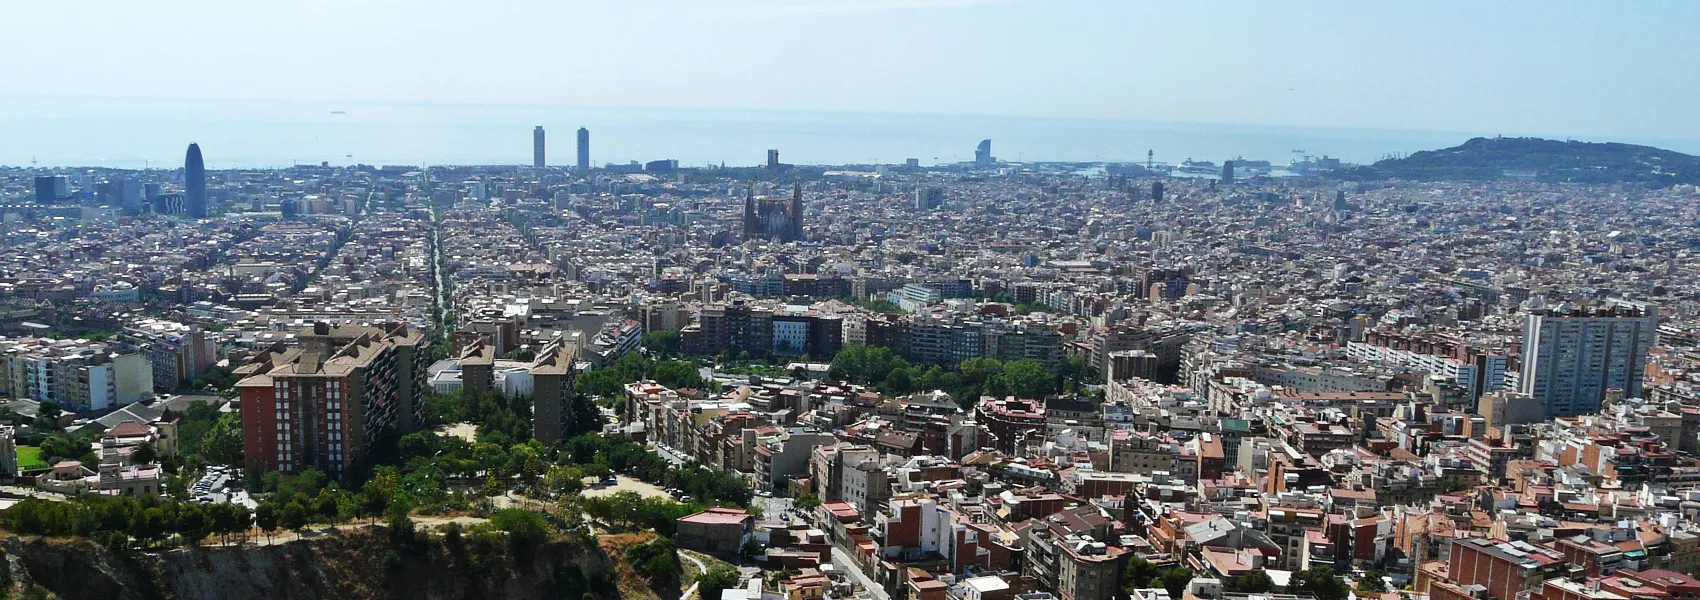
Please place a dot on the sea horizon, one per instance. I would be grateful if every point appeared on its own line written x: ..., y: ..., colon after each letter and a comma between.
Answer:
x: 97, y: 132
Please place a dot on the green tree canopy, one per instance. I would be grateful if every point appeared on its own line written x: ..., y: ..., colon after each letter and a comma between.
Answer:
x: 1255, y: 582
x: 1175, y: 580
x: 718, y: 578
x: 1320, y: 581
x: 1139, y: 574
x: 1028, y: 379
x: 663, y: 343
x: 1373, y: 582
x: 656, y: 560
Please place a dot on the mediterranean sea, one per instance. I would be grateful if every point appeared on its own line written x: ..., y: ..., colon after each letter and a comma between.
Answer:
x: 137, y: 133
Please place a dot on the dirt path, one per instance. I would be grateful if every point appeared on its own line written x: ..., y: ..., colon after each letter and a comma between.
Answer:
x: 627, y: 484
x: 258, y: 538
x: 701, y: 568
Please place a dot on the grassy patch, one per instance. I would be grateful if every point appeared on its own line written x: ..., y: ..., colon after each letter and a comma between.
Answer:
x: 29, y: 459
x: 707, y: 561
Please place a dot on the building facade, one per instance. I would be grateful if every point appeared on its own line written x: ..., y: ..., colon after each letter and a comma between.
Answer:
x: 1571, y: 356
x: 769, y: 219
x: 552, y: 390
x: 321, y: 404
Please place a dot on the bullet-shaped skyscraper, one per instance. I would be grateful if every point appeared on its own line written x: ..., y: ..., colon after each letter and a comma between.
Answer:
x: 537, y: 147
x: 583, y: 149
x: 194, y: 183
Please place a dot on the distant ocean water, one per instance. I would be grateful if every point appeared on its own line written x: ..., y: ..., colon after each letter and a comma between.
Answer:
x: 124, y: 133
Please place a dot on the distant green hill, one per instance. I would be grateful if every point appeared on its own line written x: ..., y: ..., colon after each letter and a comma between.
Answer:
x: 1550, y: 161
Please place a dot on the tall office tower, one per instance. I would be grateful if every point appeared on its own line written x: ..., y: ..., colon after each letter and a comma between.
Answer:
x: 1227, y: 171
x: 773, y: 158
x: 537, y: 147
x: 1156, y: 192
x: 983, y: 153
x: 552, y: 391
x: 928, y: 198
x: 321, y: 404
x: 194, y: 183
x: 127, y: 195
x: 1572, y: 355
x: 583, y: 149
x: 50, y: 189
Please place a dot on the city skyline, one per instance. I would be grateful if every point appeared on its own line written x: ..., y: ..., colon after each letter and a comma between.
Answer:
x: 419, y: 133
x: 855, y: 299
x: 1620, y: 74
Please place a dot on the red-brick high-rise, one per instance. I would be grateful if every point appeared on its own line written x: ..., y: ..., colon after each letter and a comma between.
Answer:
x: 319, y: 404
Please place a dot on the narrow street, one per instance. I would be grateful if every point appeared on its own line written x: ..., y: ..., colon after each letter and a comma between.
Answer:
x: 842, y: 562
x: 677, y: 459
x: 440, y: 298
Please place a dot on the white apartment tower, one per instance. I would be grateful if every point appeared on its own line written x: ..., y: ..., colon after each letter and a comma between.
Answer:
x: 1572, y: 355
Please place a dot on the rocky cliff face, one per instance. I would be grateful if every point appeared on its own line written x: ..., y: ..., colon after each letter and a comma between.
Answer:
x: 353, y: 565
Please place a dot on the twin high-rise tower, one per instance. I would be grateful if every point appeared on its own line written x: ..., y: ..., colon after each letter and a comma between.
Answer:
x: 537, y: 154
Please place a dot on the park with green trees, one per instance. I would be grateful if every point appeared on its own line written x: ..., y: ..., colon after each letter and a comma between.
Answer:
x: 423, y: 472
x: 426, y: 472
x: 893, y: 375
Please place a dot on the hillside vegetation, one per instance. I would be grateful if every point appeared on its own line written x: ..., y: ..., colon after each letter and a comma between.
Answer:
x: 1548, y: 161
x: 356, y: 564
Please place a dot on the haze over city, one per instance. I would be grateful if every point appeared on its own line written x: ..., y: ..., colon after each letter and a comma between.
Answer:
x: 1513, y: 68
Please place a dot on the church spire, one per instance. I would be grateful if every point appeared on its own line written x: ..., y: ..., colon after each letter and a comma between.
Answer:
x: 797, y: 211
x: 750, y: 224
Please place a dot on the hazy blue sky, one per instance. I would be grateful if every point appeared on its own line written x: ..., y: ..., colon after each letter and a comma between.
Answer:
x: 1627, y: 69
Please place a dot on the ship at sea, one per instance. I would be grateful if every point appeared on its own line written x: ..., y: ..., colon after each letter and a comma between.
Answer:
x: 1190, y: 167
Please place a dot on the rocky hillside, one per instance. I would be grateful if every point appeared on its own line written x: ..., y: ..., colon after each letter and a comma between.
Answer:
x: 1550, y: 161
x: 352, y: 565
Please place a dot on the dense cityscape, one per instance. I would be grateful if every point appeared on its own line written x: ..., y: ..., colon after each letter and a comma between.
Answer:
x: 978, y: 381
